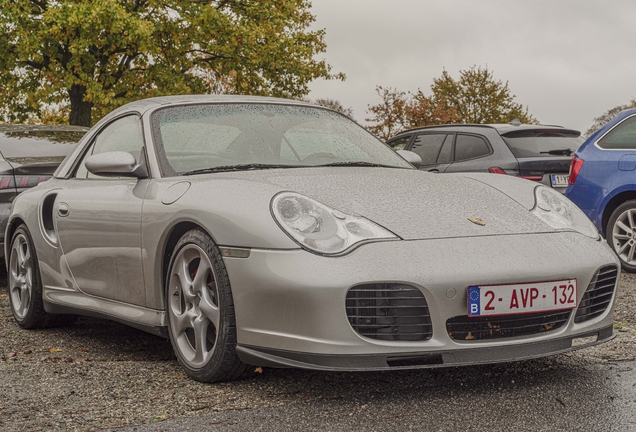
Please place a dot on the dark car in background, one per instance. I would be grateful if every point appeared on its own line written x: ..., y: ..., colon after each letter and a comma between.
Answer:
x: 534, y: 152
x: 603, y: 184
x: 29, y: 154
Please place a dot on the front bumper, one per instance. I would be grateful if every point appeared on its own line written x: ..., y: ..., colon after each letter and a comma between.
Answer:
x: 496, y: 354
x: 290, y: 305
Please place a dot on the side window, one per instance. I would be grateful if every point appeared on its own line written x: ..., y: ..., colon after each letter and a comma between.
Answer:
x: 427, y: 146
x: 400, y: 143
x: 622, y: 136
x: 121, y: 135
x: 470, y: 147
x: 446, y: 153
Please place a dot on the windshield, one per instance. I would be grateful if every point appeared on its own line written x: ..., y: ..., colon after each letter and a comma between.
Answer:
x: 550, y: 142
x: 199, y: 137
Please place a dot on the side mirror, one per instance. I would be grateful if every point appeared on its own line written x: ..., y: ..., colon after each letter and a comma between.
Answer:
x: 115, y: 164
x: 412, y: 158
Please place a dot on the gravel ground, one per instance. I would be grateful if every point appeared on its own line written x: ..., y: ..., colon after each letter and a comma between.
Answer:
x: 98, y: 374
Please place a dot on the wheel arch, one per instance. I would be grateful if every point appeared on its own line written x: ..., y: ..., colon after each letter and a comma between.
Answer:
x: 11, y: 227
x: 176, y: 232
x: 613, y: 204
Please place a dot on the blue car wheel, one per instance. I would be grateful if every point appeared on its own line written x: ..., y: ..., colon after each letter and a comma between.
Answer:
x: 621, y: 234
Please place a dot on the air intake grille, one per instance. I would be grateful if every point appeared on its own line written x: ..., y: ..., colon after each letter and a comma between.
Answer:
x: 598, y: 294
x: 469, y: 329
x: 386, y: 311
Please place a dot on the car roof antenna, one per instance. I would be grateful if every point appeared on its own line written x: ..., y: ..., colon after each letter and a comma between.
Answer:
x: 515, y: 122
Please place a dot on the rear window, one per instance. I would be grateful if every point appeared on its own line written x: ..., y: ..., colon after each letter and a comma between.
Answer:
x: 536, y: 143
x: 621, y: 137
x: 17, y: 143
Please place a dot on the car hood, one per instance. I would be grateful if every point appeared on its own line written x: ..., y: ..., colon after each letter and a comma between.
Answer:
x: 412, y: 204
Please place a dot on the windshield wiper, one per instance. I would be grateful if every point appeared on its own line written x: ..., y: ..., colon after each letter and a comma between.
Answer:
x: 560, y: 152
x: 239, y: 167
x: 358, y: 163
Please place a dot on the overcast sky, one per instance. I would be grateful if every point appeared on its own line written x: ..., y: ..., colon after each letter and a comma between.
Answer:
x: 567, y: 60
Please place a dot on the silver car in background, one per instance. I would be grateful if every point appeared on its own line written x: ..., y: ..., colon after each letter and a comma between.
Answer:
x: 271, y: 232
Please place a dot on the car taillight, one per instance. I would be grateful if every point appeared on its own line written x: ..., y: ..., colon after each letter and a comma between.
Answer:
x: 29, y: 181
x: 6, y: 182
x: 496, y: 170
x: 533, y: 177
x: 575, y: 168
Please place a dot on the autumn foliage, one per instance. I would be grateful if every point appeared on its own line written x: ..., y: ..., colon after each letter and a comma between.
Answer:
x: 475, y: 97
x: 90, y: 56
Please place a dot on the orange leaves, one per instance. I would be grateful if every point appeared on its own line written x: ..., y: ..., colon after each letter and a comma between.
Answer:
x: 476, y: 97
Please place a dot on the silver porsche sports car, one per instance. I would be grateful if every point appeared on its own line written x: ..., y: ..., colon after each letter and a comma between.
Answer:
x: 271, y: 232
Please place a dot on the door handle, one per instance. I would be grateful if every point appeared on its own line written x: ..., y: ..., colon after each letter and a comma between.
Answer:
x: 63, y: 210
x: 433, y: 170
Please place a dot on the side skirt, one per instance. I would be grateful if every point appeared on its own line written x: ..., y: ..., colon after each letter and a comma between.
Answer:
x: 65, y: 301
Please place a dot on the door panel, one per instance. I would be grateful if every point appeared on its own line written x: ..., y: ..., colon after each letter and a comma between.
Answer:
x: 100, y: 236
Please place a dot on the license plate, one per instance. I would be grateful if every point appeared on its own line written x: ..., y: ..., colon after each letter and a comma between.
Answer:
x: 560, y: 179
x: 521, y: 298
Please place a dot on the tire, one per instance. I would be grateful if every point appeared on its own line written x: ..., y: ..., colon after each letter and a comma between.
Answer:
x: 621, y: 234
x: 25, y: 285
x: 200, y: 310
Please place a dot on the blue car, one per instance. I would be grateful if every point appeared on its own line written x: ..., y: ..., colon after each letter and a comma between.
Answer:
x: 602, y: 183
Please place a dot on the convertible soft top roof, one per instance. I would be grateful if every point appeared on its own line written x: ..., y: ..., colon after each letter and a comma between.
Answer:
x: 145, y: 104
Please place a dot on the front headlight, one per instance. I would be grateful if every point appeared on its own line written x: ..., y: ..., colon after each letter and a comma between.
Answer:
x: 322, y: 229
x: 560, y: 213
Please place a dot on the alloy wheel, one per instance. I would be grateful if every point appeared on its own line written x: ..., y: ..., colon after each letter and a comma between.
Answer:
x: 193, y: 305
x: 624, y: 236
x: 20, y: 276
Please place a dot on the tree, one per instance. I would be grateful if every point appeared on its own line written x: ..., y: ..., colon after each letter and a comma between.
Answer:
x: 399, y: 111
x: 479, y: 98
x: 335, y: 105
x: 95, y: 55
x: 389, y: 115
x: 608, y: 115
x: 422, y: 110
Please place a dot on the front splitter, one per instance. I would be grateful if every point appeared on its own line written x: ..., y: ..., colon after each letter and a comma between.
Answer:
x: 267, y: 357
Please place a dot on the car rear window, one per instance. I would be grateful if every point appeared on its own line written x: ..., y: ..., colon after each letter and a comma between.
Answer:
x: 24, y: 143
x: 550, y: 142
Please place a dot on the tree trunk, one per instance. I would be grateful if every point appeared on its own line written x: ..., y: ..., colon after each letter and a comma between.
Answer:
x: 80, y: 110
